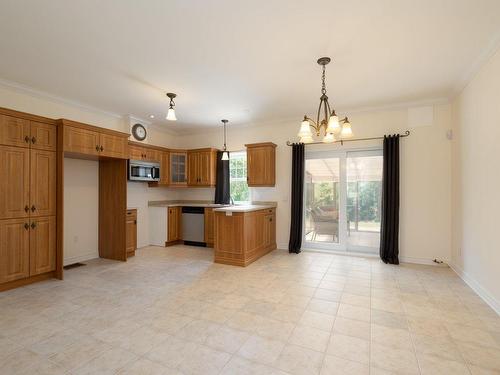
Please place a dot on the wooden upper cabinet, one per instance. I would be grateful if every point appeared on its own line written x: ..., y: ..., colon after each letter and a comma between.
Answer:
x: 202, y: 167
x: 42, y: 245
x: 113, y: 146
x: 164, y: 168
x: 14, y: 249
x: 178, y: 168
x: 43, y: 136
x: 261, y: 164
x: 81, y: 141
x: 136, y: 152
x: 152, y: 155
x: 43, y: 183
x: 14, y: 131
x: 14, y: 182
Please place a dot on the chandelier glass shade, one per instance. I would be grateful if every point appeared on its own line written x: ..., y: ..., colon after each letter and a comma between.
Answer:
x: 225, y: 153
x: 327, y: 122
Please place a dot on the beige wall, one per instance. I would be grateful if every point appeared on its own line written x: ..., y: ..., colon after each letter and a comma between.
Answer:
x: 425, y: 174
x: 476, y: 182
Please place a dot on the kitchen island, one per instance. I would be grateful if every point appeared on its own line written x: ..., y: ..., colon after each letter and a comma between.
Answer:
x: 244, y: 233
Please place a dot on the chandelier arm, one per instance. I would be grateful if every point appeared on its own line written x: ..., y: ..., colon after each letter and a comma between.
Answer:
x: 312, y: 123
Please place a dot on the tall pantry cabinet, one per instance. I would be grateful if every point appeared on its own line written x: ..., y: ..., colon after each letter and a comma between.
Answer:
x: 28, y: 195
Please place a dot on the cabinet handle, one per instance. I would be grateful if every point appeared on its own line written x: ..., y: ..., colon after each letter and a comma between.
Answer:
x: 33, y: 225
x: 102, y: 148
x: 26, y: 226
x: 135, y: 221
x: 27, y: 139
x: 270, y: 219
x: 33, y: 208
x: 33, y: 140
x: 97, y: 147
x: 26, y: 208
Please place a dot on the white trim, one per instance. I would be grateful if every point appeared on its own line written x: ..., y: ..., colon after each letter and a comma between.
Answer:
x: 424, y: 261
x: 80, y: 258
x: 485, y: 295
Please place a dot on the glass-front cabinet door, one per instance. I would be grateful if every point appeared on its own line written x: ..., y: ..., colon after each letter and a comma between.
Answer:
x: 178, y: 168
x: 342, y: 200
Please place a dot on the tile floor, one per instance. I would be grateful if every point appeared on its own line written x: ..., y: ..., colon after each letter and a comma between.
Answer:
x: 172, y: 311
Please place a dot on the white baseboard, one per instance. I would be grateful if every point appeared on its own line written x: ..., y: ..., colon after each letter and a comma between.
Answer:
x: 80, y: 258
x: 424, y: 261
x: 478, y: 288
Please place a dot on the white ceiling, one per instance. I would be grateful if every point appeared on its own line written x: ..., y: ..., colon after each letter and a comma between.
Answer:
x: 249, y: 61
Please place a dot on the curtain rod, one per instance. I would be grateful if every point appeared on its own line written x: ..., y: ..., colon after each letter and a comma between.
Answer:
x: 341, y: 141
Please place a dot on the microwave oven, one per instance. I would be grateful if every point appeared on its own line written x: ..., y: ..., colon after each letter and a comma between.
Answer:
x: 139, y: 170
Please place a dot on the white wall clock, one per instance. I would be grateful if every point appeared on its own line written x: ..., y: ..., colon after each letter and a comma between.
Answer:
x: 139, y: 132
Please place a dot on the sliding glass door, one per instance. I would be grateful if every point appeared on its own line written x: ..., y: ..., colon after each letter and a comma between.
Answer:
x: 342, y: 200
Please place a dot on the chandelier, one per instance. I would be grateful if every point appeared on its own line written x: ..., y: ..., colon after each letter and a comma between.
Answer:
x: 327, y: 120
x: 171, y: 111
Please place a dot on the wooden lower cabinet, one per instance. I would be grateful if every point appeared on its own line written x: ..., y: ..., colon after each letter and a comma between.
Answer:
x: 14, y: 249
x: 42, y: 245
x: 244, y: 237
x: 209, y: 227
x: 174, y: 225
x: 131, y: 242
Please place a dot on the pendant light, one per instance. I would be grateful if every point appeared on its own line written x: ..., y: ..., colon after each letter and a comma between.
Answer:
x: 171, y: 110
x: 327, y: 120
x: 225, y: 153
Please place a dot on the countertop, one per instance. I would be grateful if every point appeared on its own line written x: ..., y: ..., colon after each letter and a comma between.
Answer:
x: 245, y: 208
x: 255, y: 206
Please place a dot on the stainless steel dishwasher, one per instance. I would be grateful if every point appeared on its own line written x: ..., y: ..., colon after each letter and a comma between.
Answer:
x: 193, y: 226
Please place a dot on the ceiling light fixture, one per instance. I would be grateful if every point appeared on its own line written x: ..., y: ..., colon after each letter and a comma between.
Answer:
x: 330, y: 123
x: 225, y: 153
x: 171, y: 110
x: 151, y: 116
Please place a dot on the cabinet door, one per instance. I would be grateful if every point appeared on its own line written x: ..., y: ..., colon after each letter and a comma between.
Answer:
x: 261, y: 166
x: 174, y: 224
x: 269, y: 230
x: 43, y: 183
x: 131, y: 242
x: 14, y: 182
x: 178, y: 168
x: 193, y: 175
x: 209, y: 226
x: 113, y: 146
x: 136, y: 152
x: 164, y: 168
x: 205, y: 168
x: 42, y: 245
x: 14, y: 131
x: 14, y: 249
x: 152, y: 155
x: 81, y: 141
x: 43, y: 136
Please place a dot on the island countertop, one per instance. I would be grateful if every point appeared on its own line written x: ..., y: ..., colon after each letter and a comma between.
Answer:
x: 245, y: 208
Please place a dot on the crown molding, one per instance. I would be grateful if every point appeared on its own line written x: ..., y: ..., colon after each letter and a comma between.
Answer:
x: 482, y: 59
x: 54, y: 98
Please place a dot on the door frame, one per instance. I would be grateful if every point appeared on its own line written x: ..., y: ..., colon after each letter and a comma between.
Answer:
x: 342, y: 245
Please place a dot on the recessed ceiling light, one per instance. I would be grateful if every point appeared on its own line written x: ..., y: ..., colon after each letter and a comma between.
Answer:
x: 151, y: 116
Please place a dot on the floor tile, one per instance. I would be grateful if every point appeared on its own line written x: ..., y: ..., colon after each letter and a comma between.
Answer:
x: 311, y: 338
x: 262, y: 350
x: 333, y: 365
x: 350, y: 348
x: 298, y: 360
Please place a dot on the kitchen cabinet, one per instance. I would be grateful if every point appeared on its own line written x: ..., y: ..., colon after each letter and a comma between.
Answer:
x: 89, y: 140
x: 43, y: 136
x: 113, y: 146
x: 209, y: 227
x: 202, y: 167
x: 14, y: 249
x: 43, y: 183
x: 174, y: 224
x: 261, y: 164
x: 131, y: 241
x: 42, y: 245
x: 243, y: 237
x: 139, y: 152
x: 14, y: 182
x: 14, y: 131
x: 81, y: 141
x: 178, y: 168
x: 164, y: 168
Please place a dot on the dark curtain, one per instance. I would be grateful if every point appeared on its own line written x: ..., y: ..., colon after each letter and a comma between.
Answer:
x: 297, y: 198
x: 222, y: 193
x: 389, y: 228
